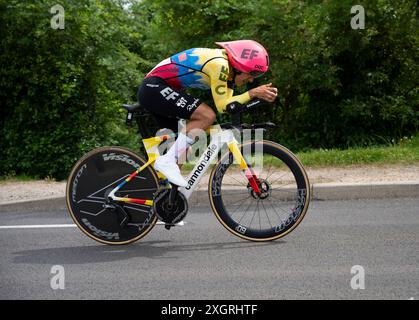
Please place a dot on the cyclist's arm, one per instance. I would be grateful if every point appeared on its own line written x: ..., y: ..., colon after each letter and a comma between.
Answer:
x: 217, y: 70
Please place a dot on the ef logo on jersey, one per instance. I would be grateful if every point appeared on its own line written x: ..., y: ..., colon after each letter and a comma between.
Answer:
x: 169, y: 94
x: 249, y: 54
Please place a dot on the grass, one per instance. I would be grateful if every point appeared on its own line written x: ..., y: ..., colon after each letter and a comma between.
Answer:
x: 21, y: 178
x: 14, y: 178
x: 404, y: 152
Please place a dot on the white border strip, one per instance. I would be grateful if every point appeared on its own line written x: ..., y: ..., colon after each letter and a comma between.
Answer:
x: 44, y: 226
x: 39, y: 226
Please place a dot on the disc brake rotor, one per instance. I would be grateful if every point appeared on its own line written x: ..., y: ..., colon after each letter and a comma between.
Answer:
x: 264, y: 187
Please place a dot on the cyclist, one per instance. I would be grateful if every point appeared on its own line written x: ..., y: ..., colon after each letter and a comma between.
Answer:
x: 163, y: 94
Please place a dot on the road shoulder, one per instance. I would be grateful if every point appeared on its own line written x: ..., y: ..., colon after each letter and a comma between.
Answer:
x: 342, y: 183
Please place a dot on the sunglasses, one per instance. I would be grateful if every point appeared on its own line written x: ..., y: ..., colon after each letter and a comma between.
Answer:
x: 256, y: 74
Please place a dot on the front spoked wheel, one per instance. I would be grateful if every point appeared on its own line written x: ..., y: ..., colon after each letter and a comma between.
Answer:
x: 93, y: 177
x: 280, y: 205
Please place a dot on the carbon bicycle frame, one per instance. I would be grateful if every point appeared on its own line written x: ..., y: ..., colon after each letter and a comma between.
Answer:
x: 219, y: 137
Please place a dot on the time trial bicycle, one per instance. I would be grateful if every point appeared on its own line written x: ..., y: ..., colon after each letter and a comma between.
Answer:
x: 258, y: 189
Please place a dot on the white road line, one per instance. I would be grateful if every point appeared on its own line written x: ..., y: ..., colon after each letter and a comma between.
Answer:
x: 43, y: 226
x: 38, y: 226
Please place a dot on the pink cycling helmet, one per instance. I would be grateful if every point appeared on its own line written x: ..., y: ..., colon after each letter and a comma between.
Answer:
x: 247, y: 56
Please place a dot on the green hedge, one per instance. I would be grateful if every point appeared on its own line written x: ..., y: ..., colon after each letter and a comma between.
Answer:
x: 60, y: 90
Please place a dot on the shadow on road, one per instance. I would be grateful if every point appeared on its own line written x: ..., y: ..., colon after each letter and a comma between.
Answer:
x: 145, y: 249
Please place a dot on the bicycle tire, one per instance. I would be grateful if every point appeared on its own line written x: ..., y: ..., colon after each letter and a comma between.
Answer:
x: 293, y: 186
x: 95, y: 174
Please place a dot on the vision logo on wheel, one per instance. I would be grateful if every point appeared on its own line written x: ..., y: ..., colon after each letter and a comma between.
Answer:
x: 100, y: 233
x: 120, y: 157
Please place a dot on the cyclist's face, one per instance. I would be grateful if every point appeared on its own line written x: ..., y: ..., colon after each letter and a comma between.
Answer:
x: 242, y: 79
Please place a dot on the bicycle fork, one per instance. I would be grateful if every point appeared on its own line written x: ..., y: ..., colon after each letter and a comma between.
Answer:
x: 245, y: 166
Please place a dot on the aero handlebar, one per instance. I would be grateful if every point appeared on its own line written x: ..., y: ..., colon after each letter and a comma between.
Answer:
x: 236, y: 107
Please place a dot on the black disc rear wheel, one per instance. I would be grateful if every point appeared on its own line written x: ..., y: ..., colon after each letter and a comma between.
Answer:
x: 93, y: 177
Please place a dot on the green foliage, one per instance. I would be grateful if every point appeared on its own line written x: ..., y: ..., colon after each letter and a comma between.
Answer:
x: 60, y: 90
x: 338, y: 87
x: 375, y: 96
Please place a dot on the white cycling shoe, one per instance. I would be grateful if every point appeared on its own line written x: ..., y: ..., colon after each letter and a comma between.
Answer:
x: 171, y: 170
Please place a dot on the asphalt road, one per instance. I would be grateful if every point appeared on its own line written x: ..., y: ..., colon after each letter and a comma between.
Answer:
x: 202, y: 260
